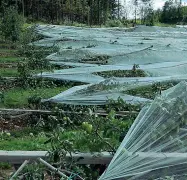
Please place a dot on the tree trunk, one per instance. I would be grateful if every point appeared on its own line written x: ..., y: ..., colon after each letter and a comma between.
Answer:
x: 23, y: 8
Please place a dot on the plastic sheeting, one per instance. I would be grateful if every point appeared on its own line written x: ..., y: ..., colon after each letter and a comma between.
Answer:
x: 100, y: 93
x: 81, y: 77
x: 155, y: 146
x: 97, y: 94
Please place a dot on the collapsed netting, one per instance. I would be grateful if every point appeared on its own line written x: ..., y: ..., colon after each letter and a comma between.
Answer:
x: 99, y: 94
x: 155, y: 146
x: 159, y: 51
x: 95, y: 55
x: 112, y: 88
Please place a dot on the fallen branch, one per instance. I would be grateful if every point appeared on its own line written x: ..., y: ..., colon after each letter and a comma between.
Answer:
x: 99, y: 113
x: 20, y: 116
x: 19, y: 170
x: 53, y: 168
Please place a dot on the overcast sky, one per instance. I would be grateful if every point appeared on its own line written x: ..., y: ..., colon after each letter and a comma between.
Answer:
x: 157, y: 4
x: 160, y: 3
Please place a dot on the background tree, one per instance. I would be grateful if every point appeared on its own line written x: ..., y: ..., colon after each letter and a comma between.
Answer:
x: 11, y: 24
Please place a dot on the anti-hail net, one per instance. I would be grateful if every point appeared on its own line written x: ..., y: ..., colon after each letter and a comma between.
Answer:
x: 113, y: 88
x: 92, y: 47
x: 155, y: 146
x: 95, y: 55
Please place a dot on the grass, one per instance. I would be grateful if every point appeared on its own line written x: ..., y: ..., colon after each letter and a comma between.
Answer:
x: 138, y: 21
x: 10, y: 59
x: 4, y: 165
x: 18, y: 97
x: 9, y: 51
x: 8, y: 72
x: 22, y: 140
x: 8, y: 56
x: 26, y: 143
x: 164, y: 24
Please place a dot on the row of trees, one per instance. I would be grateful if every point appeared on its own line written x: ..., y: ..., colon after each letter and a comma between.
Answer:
x: 83, y: 11
x: 94, y: 12
x: 172, y: 12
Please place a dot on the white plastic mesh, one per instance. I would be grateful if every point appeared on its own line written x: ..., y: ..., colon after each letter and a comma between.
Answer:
x: 99, y: 94
x: 160, y: 52
x: 156, y: 144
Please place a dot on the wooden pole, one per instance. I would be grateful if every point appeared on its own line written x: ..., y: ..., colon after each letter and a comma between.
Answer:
x: 19, y: 170
x: 53, y: 168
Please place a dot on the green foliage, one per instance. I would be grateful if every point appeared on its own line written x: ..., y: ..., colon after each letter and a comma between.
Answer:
x: 18, y: 97
x: 11, y: 25
x: 90, y: 12
x: 23, y: 74
x: 4, y: 165
x: 93, y: 134
x: 114, y: 23
x: 10, y: 59
x: 24, y: 143
x: 34, y: 171
x: 28, y: 35
x: 135, y: 72
x: 34, y: 101
x: 35, y: 57
x: 172, y: 12
x: 8, y: 72
x: 150, y: 91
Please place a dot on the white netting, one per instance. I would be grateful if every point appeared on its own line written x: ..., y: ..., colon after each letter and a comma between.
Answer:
x: 100, y: 93
x: 160, y: 52
x: 156, y: 144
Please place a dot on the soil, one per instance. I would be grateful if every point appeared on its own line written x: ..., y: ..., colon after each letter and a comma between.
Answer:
x: 5, y: 173
x: 7, y: 124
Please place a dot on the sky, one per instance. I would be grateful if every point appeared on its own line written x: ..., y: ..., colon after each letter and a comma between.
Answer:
x: 160, y: 3
x: 156, y: 5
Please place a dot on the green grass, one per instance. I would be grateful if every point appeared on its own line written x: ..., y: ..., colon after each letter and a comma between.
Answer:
x: 138, y: 21
x: 82, y: 142
x: 8, y: 72
x: 10, y: 59
x: 26, y: 143
x: 22, y: 140
x: 9, y: 51
x: 4, y: 165
x: 164, y: 24
x: 18, y: 97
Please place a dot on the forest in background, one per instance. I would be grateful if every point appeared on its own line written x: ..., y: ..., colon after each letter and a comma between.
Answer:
x: 96, y: 12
